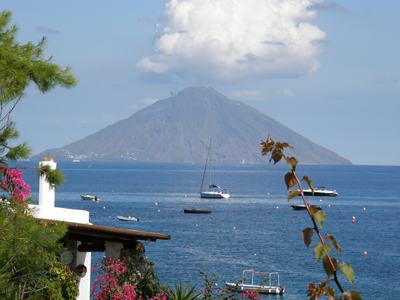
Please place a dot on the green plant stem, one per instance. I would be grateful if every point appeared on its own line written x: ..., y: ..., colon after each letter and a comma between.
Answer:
x: 319, y: 234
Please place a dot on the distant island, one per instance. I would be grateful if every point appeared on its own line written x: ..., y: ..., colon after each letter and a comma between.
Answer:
x: 178, y: 129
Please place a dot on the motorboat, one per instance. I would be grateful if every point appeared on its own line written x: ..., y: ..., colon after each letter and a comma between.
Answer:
x: 214, y: 191
x: 303, y: 207
x: 320, y: 192
x: 121, y: 218
x: 263, y: 288
x: 90, y: 197
x: 196, y: 211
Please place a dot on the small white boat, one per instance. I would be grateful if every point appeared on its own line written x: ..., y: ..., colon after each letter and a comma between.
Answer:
x: 214, y: 191
x: 128, y: 218
x: 321, y: 192
x: 90, y: 197
x: 260, y: 288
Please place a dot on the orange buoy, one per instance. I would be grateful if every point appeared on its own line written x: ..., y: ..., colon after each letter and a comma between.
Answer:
x: 156, y: 203
x: 269, y: 211
x: 104, y: 207
x: 365, y: 253
x: 112, y: 191
x: 158, y: 211
x: 268, y: 194
x: 97, y: 201
x: 354, y: 221
x: 92, y: 194
x: 277, y: 207
x: 295, y: 216
x: 329, y: 205
x: 320, y: 200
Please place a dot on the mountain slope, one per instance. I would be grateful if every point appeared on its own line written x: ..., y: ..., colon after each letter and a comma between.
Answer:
x: 179, y: 129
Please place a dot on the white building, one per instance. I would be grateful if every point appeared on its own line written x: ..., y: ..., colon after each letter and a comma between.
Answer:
x: 83, y: 237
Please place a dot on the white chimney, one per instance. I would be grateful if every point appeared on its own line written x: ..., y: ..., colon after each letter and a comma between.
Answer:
x: 47, y: 194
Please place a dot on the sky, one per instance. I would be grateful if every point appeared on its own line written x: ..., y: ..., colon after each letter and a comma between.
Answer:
x: 329, y: 70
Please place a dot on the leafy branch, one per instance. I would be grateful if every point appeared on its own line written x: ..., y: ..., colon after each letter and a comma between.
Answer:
x: 322, y: 249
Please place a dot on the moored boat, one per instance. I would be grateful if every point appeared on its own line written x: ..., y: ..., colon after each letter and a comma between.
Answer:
x: 321, y: 192
x: 121, y: 218
x: 90, y: 197
x: 214, y: 191
x: 303, y: 207
x: 196, y: 211
x: 260, y: 288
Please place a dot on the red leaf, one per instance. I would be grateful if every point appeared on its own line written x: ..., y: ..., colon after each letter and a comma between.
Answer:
x: 290, y: 180
x: 306, y: 235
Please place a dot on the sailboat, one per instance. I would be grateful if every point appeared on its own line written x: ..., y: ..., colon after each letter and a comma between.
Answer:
x: 214, y: 191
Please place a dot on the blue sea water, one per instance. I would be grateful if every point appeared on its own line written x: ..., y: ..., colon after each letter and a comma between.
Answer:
x: 240, y: 234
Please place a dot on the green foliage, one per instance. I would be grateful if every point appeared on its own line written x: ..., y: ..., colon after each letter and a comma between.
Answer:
x: 292, y: 163
x: 321, y: 250
x: 335, y: 244
x: 120, y: 277
x: 21, y: 66
x: 347, y: 271
x: 180, y: 293
x: 327, y: 266
x: 54, y: 177
x: 318, y: 216
x: 309, y: 182
x: 293, y: 193
x: 64, y: 280
x: 27, y: 251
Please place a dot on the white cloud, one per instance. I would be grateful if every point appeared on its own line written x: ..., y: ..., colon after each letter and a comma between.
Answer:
x: 230, y: 40
x: 142, y: 103
x: 258, y: 95
x: 284, y: 92
x: 249, y: 95
x: 46, y: 30
x: 148, y: 101
x: 108, y: 119
x: 385, y: 80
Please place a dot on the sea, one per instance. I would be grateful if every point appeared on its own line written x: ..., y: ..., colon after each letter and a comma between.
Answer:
x: 255, y: 229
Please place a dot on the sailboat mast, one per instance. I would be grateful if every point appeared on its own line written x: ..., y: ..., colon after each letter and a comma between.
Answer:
x: 209, y: 186
x: 205, y: 167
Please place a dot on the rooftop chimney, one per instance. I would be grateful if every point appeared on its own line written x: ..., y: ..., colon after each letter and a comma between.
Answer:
x: 47, y: 193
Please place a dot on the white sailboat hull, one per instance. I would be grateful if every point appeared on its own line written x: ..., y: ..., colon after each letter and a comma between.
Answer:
x: 214, y: 194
